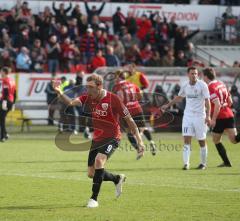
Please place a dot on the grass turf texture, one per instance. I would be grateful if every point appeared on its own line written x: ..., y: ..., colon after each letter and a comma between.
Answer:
x: 40, y: 182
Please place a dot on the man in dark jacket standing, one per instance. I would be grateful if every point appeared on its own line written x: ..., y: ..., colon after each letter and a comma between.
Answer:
x: 51, y: 101
x: 61, y: 13
x: 119, y: 20
x: 92, y: 12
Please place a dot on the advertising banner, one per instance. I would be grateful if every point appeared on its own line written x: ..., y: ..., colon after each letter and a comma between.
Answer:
x: 33, y: 86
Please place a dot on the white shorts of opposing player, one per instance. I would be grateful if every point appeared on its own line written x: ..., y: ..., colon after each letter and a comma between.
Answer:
x: 194, y: 127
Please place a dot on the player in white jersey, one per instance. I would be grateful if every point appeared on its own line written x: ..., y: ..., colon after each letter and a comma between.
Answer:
x: 196, y: 115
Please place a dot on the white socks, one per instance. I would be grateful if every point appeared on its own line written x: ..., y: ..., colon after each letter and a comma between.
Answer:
x: 203, y: 155
x: 186, y: 153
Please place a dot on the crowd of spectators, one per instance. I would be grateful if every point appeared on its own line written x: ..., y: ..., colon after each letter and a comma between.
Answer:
x: 64, y: 39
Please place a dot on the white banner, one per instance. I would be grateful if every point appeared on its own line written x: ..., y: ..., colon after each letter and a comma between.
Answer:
x: 32, y: 87
x: 193, y: 16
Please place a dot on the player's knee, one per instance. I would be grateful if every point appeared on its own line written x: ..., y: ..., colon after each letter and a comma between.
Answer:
x: 98, y: 162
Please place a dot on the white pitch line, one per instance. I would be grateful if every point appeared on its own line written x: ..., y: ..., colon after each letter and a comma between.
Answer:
x: 127, y: 183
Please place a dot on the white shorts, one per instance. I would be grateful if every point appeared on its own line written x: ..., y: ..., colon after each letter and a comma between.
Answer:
x: 194, y: 127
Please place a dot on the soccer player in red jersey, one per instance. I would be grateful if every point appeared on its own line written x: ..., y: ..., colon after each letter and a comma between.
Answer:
x: 130, y: 94
x: 222, y: 117
x: 106, y: 109
x: 7, y: 100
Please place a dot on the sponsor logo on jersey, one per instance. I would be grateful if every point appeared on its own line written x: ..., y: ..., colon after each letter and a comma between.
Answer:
x: 101, y: 113
x: 192, y: 96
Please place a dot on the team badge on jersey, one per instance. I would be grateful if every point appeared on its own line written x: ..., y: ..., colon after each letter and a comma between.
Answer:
x: 105, y: 106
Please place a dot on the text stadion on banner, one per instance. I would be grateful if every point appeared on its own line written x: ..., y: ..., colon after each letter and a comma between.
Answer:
x: 191, y: 16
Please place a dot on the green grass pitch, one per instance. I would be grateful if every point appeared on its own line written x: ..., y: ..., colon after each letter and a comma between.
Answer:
x: 39, y: 182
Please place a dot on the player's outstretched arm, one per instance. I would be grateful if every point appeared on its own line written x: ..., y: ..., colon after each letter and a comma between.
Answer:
x: 172, y: 102
x: 68, y: 101
x: 134, y: 130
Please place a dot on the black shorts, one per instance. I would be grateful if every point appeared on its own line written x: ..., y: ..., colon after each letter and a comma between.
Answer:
x: 106, y: 147
x: 222, y: 124
x: 138, y: 119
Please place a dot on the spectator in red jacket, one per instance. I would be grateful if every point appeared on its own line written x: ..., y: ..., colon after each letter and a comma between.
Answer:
x: 68, y: 55
x: 98, y: 60
x: 144, y: 26
x: 146, y: 53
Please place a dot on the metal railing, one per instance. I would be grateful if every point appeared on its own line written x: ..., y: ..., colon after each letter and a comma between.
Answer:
x: 211, y: 58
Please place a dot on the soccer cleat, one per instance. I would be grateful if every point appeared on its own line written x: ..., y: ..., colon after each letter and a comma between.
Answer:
x: 3, y: 140
x: 6, y: 136
x: 75, y: 132
x: 120, y: 184
x: 87, y: 133
x: 201, y: 167
x: 140, y: 154
x: 60, y: 128
x: 92, y: 203
x: 224, y: 165
x: 186, y: 167
x: 153, y: 148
